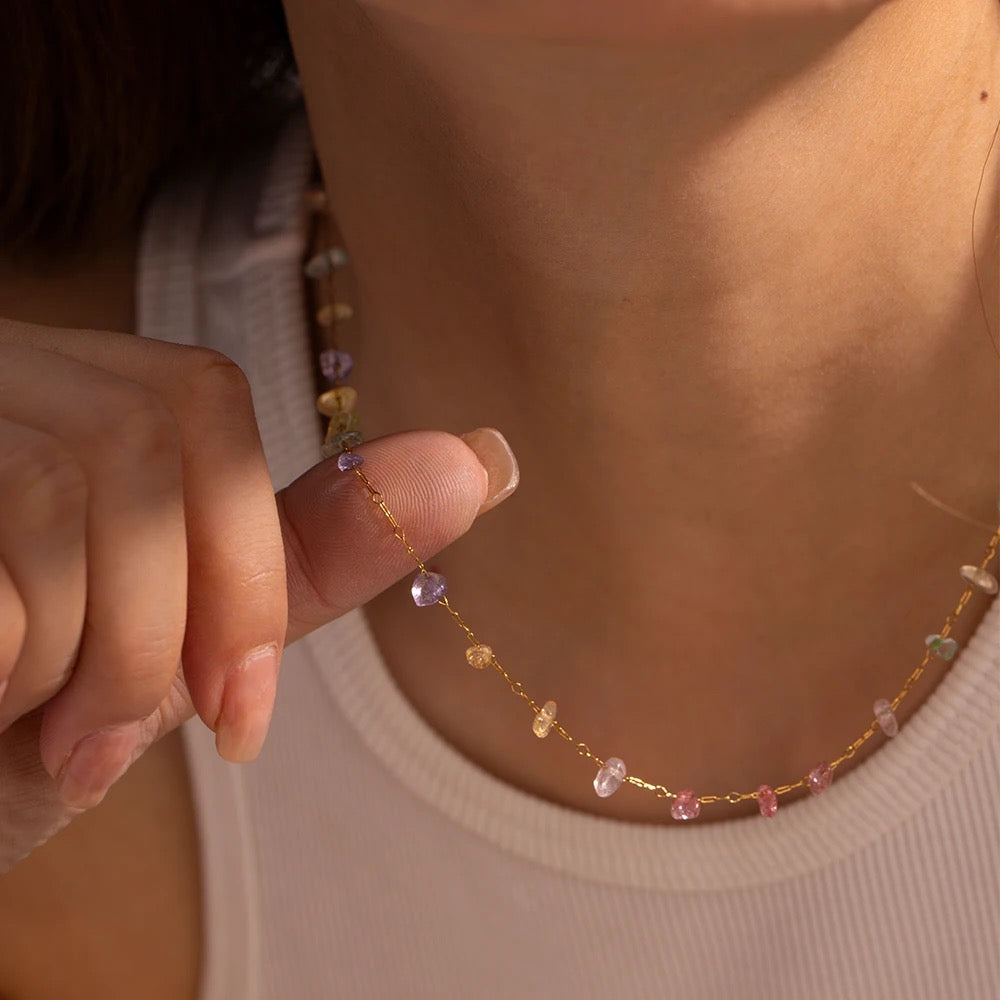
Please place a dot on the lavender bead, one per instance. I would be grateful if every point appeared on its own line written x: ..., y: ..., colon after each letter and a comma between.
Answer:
x: 348, y: 460
x: 335, y: 364
x: 428, y: 588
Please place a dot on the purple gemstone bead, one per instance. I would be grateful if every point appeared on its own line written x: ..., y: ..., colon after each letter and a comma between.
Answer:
x: 348, y: 460
x: 428, y: 588
x: 335, y: 365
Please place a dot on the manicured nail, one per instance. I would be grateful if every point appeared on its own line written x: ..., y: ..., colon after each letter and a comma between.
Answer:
x: 96, y: 763
x: 247, y: 701
x: 5, y: 722
x: 498, y: 460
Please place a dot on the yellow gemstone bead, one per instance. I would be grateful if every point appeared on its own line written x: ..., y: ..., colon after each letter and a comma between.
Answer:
x: 335, y: 312
x: 479, y: 656
x: 543, y: 721
x: 343, y: 399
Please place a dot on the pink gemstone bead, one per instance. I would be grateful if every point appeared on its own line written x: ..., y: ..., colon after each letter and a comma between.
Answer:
x: 686, y: 805
x: 819, y: 778
x: 610, y: 777
x: 767, y: 801
x: 885, y: 717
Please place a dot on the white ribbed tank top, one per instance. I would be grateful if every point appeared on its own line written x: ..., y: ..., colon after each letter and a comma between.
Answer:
x: 361, y: 856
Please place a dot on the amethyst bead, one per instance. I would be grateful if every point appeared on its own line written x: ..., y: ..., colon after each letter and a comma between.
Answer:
x: 348, y: 460
x: 428, y: 589
x: 335, y: 364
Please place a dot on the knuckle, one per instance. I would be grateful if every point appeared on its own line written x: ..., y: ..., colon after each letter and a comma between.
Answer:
x: 12, y: 633
x: 139, y: 423
x: 214, y: 381
x: 137, y: 700
x: 266, y: 584
x: 266, y: 592
x: 141, y: 671
x: 45, y: 481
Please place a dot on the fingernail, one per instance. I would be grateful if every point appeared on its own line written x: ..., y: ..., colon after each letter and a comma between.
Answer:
x: 5, y: 722
x: 96, y: 763
x: 496, y: 457
x: 247, y: 701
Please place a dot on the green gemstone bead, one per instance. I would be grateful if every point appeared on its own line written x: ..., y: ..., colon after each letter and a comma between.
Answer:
x: 945, y: 648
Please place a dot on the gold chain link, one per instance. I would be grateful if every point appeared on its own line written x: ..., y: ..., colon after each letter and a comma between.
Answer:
x: 661, y: 791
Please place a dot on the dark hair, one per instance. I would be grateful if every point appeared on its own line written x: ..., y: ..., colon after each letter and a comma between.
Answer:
x: 101, y: 97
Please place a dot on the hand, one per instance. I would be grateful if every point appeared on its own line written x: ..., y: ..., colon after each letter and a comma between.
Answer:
x: 147, y: 569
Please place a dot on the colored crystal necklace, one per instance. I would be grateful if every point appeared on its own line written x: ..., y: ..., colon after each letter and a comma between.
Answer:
x: 338, y: 405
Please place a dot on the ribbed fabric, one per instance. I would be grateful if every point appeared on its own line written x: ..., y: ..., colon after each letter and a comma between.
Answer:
x: 361, y: 856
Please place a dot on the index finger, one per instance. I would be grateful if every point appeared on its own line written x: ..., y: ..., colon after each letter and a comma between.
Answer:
x: 237, y: 598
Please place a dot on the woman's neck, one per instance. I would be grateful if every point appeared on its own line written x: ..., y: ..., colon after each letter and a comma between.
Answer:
x: 719, y: 296
x: 715, y: 251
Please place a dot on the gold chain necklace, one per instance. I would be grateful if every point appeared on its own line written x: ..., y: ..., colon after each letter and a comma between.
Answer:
x: 338, y: 405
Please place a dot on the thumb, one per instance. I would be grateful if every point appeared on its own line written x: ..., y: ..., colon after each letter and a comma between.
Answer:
x: 340, y: 550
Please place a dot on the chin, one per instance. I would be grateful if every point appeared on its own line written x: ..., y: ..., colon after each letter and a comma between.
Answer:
x: 625, y: 21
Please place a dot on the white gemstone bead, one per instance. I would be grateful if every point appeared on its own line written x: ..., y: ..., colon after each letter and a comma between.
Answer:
x: 326, y: 262
x: 945, y: 649
x: 543, y: 721
x: 980, y: 578
x: 885, y: 717
x: 610, y: 777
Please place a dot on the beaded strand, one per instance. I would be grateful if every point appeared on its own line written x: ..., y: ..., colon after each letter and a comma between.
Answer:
x: 338, y: 404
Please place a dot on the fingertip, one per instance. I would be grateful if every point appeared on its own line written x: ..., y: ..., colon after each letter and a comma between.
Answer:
x: 498, y: 461
x: 428, y: 488
x: 247, y: 704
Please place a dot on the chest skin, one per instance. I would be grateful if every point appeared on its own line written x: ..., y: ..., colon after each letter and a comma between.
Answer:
x: 110, y: 907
